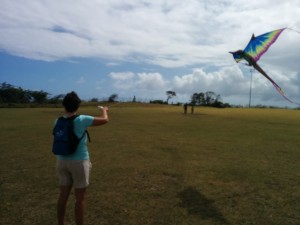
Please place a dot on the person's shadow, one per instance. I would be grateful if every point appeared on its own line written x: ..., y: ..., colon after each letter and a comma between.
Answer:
x: 197, y: 204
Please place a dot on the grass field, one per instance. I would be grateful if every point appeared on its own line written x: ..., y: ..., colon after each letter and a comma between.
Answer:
x: 153, y: 165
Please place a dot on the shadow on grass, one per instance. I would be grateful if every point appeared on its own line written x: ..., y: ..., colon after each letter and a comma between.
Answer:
x: 197, y: 204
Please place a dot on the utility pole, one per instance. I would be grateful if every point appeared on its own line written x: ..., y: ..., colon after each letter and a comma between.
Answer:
x: 250, y: 92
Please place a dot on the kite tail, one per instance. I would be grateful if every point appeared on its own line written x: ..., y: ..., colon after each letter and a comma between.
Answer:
x: 282, y: 94
x: 279, y: 89
x: 259, y: 69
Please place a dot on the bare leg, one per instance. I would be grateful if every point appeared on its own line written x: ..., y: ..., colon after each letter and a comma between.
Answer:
x: 62, y: 202
x: 80, y: 205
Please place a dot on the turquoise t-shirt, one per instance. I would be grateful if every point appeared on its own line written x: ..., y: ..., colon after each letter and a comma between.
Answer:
x: 81, y: 123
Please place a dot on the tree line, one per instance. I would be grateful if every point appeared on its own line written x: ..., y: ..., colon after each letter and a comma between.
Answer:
x: 208, y: 98
x: 12, y: 94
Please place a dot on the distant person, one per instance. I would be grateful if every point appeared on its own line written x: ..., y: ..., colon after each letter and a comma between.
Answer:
x: 185, y: 106
x: 192, y: 109
x: 73, y: 170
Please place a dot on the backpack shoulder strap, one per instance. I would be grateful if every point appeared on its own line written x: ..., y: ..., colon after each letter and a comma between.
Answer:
x: 86, y: 131
x: 72, y: 117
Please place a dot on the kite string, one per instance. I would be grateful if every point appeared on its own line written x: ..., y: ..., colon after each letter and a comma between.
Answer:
x: 293, y: 30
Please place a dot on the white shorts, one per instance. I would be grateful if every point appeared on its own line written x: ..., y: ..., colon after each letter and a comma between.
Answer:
x: 73, y: 172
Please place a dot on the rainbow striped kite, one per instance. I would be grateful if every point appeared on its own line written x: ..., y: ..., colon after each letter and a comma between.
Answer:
x: 256, y: 47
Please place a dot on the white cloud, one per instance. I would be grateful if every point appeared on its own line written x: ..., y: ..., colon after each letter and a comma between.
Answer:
x: 166, y: 33
x: 225, y: 81
x: 150, y: 81
x: 140, y: 81
x: 121, y: 76
x: 122, y: 80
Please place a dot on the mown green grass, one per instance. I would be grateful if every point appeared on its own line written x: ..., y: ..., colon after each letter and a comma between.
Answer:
x: 155, y: 165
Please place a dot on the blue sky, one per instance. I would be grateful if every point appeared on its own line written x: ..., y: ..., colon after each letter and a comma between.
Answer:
x: 145, y: 48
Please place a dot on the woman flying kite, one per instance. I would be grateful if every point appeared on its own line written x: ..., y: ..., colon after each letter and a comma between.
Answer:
x: 256, y: 47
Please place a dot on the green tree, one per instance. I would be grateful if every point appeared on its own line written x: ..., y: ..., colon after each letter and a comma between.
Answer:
x: 94, y: 100
x: 12, y: 94
x: 38, y: 96
x: 198, y: 99
x: 113, y: 98
x: 170, y: 94
x: 56, y: 99
x: 208, y: 98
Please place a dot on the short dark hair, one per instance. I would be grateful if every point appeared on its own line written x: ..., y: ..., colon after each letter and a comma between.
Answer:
x: 71, y: 102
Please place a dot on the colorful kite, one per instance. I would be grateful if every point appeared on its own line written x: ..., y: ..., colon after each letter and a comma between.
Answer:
x: 255, y: 49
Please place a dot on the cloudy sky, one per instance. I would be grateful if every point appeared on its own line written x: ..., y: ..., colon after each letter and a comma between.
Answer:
x: 145, y: 48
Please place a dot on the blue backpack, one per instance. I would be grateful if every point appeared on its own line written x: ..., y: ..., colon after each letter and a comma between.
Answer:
x: 65, y: 140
